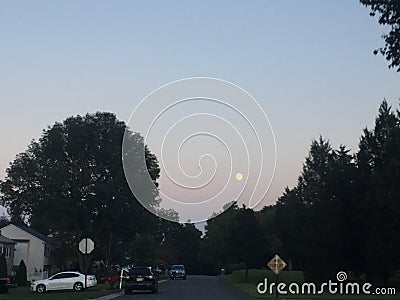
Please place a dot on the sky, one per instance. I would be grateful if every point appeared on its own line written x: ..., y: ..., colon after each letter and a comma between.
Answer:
x: 309, y: 64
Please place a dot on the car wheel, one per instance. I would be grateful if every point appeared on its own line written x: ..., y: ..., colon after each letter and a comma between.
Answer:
x: 41, y: 289
x: 126, y: 292
x: 78, y: 286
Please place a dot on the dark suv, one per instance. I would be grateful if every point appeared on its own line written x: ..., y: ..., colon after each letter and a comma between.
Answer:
x: 141, y: 278
x: 177, y: 271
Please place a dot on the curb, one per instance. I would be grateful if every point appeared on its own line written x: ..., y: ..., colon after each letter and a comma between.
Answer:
x: 115, y: 295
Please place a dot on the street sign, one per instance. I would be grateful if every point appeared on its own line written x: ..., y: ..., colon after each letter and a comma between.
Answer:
x: 276, y: 264
x: 86, y: 246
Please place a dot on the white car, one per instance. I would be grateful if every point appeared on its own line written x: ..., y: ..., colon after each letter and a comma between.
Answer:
x: 64, y: 281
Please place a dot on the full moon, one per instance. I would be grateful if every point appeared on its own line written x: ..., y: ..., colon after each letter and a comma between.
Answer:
x: 239, y: 176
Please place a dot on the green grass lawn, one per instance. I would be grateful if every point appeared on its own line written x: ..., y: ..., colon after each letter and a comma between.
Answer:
x: 23, y: 293
x: 249, y: 287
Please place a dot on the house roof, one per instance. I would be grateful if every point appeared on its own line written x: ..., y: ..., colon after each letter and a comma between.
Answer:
x: 4, y: 240
x: 37, y: 234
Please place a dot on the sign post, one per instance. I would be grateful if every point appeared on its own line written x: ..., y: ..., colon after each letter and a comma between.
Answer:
x: 276, y: 264
x: 86, y: 246
x: 121, y: 276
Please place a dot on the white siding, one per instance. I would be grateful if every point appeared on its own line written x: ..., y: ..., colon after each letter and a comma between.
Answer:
x: 32, y: 252
x: 21, y: 252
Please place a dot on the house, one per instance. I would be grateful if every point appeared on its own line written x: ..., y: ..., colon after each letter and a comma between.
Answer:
x: 7, y: 249
x: 34, y: 248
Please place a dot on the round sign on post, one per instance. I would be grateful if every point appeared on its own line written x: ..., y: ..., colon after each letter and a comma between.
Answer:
x: 86, y: 246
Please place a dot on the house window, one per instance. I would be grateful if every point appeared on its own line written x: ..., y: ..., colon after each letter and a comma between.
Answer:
x: 7, y: 252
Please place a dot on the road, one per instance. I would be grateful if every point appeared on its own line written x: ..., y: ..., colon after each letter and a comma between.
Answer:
x: 197, y: 287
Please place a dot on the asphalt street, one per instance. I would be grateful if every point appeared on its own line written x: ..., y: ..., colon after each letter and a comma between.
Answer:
x: 193, y: 288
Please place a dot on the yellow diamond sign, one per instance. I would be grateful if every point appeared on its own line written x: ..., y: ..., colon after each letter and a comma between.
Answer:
x: 276, y: 264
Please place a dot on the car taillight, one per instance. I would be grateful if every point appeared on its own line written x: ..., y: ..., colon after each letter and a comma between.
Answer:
x: 8, y: 280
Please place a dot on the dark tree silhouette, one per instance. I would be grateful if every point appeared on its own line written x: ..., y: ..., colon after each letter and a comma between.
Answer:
x: 315, y: 219
x: 71, y: 183
x: 379, y: 165
x: 21, y: 274
x: 388, y: 12
x: 3, y: 266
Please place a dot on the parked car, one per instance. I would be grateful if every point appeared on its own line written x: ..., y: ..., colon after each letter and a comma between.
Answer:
x: 141, y: 278
x: 64, y: 281
x: 6, y: 283
x: 177, y: 271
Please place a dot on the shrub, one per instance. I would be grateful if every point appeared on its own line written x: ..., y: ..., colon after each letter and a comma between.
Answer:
x: 21, y: 274
x: 3, y: 266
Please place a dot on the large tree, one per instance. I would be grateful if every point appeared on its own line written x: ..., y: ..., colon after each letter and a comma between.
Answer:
x: 315, y: 219
x: 214, y: 246
x: 247, y: 242
x: 71, y: 183
x: 389, y: 15
x: 379, y: 165
x: 234, y: 237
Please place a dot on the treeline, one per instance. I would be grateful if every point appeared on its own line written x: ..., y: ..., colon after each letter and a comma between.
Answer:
x: 343, y: 214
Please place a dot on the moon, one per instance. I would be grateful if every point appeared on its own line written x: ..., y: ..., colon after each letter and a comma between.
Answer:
x: 239, y: 176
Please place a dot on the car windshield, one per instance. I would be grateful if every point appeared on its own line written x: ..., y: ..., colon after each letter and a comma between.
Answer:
x: 139, y: 271
x: 178, y: 267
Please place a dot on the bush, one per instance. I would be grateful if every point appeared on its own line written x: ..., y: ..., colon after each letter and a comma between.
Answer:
x: 234, y: 267
x: 21, y: 274
x: 3, y: 266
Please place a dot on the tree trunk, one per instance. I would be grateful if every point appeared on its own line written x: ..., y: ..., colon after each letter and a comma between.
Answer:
x: 109, y: 251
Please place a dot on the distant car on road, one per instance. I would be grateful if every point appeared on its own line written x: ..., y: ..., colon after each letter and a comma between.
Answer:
x: 64, y: 281
x: 177, y: 271
x: 141, y: 278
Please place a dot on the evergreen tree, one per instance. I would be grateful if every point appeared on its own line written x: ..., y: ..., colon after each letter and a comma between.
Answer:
x: 3, y: 266
x: 21, y: 274
x: 315, y: 219
x: 379, y: 165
